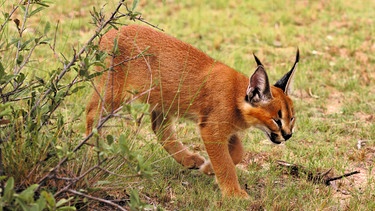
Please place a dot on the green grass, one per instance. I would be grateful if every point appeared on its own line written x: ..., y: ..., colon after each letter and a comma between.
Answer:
x: 333, y: 94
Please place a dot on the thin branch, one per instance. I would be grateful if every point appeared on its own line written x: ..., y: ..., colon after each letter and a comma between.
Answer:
x: 76, y: 56
x: 101, y: 123
x: 65, y: 159
x: 27, y: 59
x: 20, y: 31
x: 318, y: 177
x: 329, y: 180
x: 139, y: 18
x: 74, y: 180
x: 10, y: 15
x: 96, y: 199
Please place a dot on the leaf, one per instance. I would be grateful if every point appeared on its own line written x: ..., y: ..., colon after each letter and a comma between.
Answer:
x: 1, y: 69
x: 76, y: 89
x: 35, y: 11
x: 110, y: 139
x: 24, y: 45
x: 6, y: 15
x: 19, y: 59
x: 28, y: 194
x: 49, y: 199
x: 94, y: 75
x: 34, y: 207
x: 20, y: 78
x: 135, y: 3
x: 41, y: 202
x: 63, y: 201
x: 44, y: 4
x: 66, y: 208
x: 17, y: 22
x: 123, y: 145
x: 47, y: 27
x: 22, y: 204
x: 8, y: 190
x: 115, y: 47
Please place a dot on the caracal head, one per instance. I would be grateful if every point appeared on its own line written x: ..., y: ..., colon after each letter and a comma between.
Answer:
x: 269, y: 108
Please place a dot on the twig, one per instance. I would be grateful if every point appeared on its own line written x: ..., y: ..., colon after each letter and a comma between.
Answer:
x: 76, y: 56
x: 329, y: 180
x: 52, y: 171
x: 74, y: 180
x: 139, y: 18
x: 83, y: 142
x: 17, y: 68
x: 96, y: 198
x: 10, y: 15
x: 317, y: 177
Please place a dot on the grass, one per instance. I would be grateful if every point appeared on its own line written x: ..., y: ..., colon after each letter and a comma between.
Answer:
x: 333, y: 94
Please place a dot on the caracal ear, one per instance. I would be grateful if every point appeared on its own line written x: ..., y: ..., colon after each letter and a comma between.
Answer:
x: 285, y: 82
x: 258, y: 90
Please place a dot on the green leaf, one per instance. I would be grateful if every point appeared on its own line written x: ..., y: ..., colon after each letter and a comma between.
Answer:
x: 47, y: 27
x: 41, y: 202
x: 2, y: 72
x: 44, y: 4
x: 66, y: 208
x: 24, y: 45
x: 110, y: 139
x: 63, y: 201
x: 76, y: 89
x: 35, y: 11
x: 115, y: 47
x: 8, y: 190
x: 20, y: 78
x: 28, y: 194
x: 135, y: 3
x: 49, y: 199
x: 22, y: 204
x: 6, y: 15
x: 19, y: 59
x: 34, y: 207
x: 2, y: 178
x: 123, y: 145
x: 91, y: 76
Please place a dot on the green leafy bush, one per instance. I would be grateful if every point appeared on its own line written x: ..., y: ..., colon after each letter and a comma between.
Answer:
x: 41, y: 154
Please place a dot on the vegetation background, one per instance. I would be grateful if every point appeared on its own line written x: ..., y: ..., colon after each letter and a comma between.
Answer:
x: 334, y: 96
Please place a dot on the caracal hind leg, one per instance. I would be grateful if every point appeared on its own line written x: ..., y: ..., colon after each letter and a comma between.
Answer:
x: 236, y: 152
x: 108, y: 91
x: 92, y: 112
x: 164, y: 130
x: 222, y: 163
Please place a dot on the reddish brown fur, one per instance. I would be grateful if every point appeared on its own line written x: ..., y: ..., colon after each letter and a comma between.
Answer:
x: 186, y: 82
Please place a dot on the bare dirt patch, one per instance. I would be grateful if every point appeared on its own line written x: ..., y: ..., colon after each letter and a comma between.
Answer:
x: 347, y: 187
x: 334, y: 102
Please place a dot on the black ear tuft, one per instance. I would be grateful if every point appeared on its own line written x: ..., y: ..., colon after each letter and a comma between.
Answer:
x: 257, y: 60
x: 286, y: 80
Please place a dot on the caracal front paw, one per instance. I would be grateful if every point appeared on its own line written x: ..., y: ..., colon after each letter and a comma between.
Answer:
x: 207, y: 168
x: 193, y: 161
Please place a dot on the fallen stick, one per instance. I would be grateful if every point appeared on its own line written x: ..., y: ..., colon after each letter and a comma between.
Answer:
x: 329, y: 180
x: 318, y: 177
